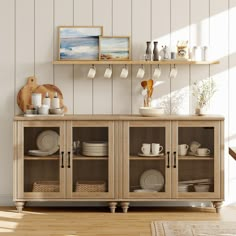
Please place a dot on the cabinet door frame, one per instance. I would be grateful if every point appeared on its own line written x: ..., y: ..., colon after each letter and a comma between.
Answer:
x: 111, y: 174
x: 20, y: 194
x: 125, y: 163
x: 217, y: 161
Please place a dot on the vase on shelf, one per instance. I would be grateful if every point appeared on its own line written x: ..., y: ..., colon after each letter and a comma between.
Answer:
x: 148, y: 55
x: 155, y: 52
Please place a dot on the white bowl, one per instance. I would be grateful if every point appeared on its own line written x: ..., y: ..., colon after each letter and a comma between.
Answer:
x: 201, y: 187
x: 151, y: 111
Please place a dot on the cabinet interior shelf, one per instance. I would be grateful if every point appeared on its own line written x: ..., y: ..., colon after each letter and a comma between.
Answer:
x: 146, y: 158
x: 85, y: 158
x: 34, y: 158
x: 138, y: 62
x: 192, y: 158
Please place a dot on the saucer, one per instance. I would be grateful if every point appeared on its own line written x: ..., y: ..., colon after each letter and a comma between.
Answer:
x: 150, y: 155
x: 205, y: 155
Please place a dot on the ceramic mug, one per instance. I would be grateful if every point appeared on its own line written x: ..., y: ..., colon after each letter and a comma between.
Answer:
x: 156, y: 148
x: 157, y: 73
x: 92, y: 72
x: 203, y: 151
x: 124, y: 73
x: 183, y: 149
x: 173, y: 72
x: 146, y: 148
x: 108, y: 73
x: 140, y: 73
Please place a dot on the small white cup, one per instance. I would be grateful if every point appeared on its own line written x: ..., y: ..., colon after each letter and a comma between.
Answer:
x: 146, y: 148
x: 157, y: 73
x: 173, y: 72
x: 124, y: 73
x: 140, y: 73
x: 183, y: 149
x: 156, y: 148
x: 92, y: 72
x: 203, y: 151
x: 108, y: 73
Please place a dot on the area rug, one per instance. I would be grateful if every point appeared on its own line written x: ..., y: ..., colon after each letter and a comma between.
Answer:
x: 193, y: 228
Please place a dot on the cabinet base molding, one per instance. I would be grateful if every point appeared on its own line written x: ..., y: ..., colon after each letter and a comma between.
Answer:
x: 19, y: 206
x: 217, y: 205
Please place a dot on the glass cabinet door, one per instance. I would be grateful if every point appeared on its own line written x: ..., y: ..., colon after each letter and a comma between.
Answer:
x: 41, y: 166
x: 196, y: 159
x: 146, y: 159
x: 91, y: 172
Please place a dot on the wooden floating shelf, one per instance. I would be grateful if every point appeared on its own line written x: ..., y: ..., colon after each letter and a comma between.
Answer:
x: 162, y: 62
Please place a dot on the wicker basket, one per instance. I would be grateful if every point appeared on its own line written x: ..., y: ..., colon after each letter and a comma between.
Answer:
x: 46, y: 186
x: 90, y: 186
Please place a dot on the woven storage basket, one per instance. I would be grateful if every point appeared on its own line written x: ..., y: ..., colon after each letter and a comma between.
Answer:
x: 46, y: 186
x: 90, y: 186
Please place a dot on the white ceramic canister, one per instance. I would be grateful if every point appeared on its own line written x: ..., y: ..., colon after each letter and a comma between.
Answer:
x: 197, y: 53
x: 36, y: 99
x: 205, y: 53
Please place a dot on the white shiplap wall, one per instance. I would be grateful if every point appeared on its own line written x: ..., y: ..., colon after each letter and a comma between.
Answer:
x: 29, y: 44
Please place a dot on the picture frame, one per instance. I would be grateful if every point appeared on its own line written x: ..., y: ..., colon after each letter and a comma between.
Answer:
x: 79, y: 42
x: 116, y: 48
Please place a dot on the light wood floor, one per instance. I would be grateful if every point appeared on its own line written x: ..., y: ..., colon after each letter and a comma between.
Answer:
x: 98, y: 221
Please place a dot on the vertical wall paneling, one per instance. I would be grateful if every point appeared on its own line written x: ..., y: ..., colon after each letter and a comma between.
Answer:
x: 44, y: 41
x: 121, y: 87
x: 232, y: 97
x: 63, y: 75
x: 83, y: 86
x: 141, y: 32
x: 199, y: 36
x: 180, y: 31
x: 161, y: 33
x: 7, y: 103
x: 102, y: 89
x: 219, y: 73
x: 24, y: 51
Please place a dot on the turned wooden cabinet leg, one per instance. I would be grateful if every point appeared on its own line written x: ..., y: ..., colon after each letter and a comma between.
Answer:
x: 217, y: 205
x: 19, y: 206
x: 125, y: 206
x: 112, y: 206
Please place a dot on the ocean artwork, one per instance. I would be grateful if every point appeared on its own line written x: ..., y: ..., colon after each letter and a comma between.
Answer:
x: 79, y: 43
x: 114, y: 48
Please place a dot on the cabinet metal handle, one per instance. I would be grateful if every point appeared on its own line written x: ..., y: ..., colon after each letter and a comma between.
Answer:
x: 168, y: 160
x: 62, y: 159
x: 174, y: 160
x: 68, y: 160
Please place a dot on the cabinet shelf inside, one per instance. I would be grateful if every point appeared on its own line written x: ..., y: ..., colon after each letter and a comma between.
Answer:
x: 146, y: 158
x: 44, y: 158
x: 192, y: 158
x: 85, y: 158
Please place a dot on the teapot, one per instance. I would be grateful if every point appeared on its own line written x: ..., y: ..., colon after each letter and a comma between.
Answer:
x: 194, y: 145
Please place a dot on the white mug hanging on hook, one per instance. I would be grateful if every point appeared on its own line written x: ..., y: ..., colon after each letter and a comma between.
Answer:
x: 108, y: 72
x: 141, y: 72
x: 173, y: 72
x: 157, y: 72
x: 124, y: 72
x: 92, y: 72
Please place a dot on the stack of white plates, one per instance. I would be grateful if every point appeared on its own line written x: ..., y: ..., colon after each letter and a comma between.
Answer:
x: 95, y: 148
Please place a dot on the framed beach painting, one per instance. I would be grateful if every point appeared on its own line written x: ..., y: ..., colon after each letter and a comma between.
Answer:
x: 79, y: 42
x: 114, y: 48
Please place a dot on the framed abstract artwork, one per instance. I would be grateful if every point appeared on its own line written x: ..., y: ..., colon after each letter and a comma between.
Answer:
x: 79, y: 42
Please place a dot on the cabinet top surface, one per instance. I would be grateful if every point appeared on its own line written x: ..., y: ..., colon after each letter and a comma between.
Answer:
x: 135, y: 117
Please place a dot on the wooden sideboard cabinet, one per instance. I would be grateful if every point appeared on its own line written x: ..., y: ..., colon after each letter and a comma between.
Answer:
x: 123, y: 174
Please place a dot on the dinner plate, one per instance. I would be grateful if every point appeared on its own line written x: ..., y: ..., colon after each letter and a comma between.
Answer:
x: 152, y: 179
x: 150, y: 155
x: 95, y: 144
x: 38, y: 153
x: 48, y: 141
x: 206, y: 155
